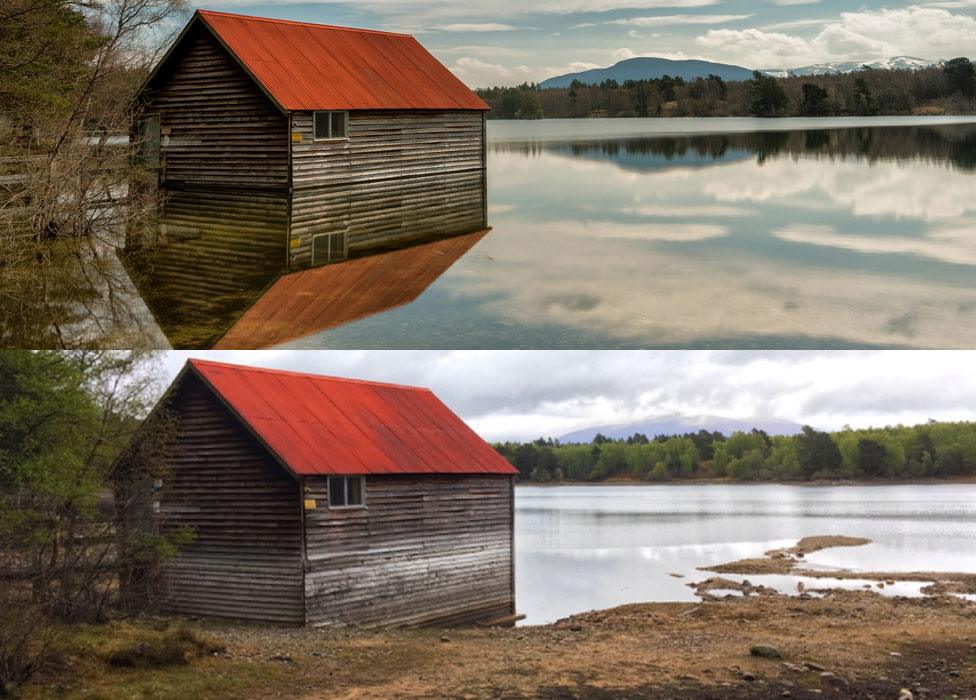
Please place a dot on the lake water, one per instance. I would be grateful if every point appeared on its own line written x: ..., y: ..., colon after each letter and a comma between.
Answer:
x: 582, y: 548
x: 700, y: 233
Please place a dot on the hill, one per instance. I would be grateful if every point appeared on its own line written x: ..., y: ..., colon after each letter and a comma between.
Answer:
x: 648, y: 68
x: 678, y: 425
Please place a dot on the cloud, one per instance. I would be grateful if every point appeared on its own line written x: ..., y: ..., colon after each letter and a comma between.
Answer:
x: 670, y: 20
x: 478, y: 50
x: 573, y: 6
x: 624, y: 53
x: 477, y: 73
x: 473, y: 27
x: 926, y: 31
x: 952, y: 244
x: 523, y: 395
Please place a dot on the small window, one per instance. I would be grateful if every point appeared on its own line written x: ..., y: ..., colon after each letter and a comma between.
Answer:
x: 328, y: 247
x: 346, y: 491
x: 331, y: 125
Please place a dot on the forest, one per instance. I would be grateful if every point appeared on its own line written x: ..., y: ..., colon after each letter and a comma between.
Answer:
x: 932, y: 450
x: 949, y: 89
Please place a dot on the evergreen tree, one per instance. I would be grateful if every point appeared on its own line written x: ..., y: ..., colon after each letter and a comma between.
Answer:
x: 768, y: 97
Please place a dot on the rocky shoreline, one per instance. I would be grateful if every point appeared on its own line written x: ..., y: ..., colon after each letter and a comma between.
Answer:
x: 751, y: 643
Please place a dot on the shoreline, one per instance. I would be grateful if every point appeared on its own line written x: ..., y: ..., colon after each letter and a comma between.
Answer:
x: 847, y: 644
x: 758, y: 644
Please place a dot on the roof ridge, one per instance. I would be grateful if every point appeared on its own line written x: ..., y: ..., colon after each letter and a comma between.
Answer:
x: 302, y: 24
x: 308, y: 375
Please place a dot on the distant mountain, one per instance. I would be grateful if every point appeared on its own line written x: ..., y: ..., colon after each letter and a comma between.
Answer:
x: 646, y: 68
x: 677, y: 425
x: 895, y: 63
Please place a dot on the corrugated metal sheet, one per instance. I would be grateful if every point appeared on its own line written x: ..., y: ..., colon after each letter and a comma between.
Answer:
x: 329, y: 425
x: 315, y: 66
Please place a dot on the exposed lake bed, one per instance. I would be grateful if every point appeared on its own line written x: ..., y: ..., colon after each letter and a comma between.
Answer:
x: 843, y: 644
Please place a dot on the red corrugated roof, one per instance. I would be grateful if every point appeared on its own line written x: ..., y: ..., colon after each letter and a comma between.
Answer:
x: 315, y: 66
x: 329, y: 425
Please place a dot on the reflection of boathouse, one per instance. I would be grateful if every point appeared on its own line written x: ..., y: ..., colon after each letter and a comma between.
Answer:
x: 352, y: 139
x: 203, y: 297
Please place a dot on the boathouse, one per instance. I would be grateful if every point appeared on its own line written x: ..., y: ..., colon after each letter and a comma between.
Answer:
x: 371, y: 140
x: 317, y: 500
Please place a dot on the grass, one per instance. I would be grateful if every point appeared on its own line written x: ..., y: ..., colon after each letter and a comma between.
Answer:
x: 146, y: 658
x: 178, y: 647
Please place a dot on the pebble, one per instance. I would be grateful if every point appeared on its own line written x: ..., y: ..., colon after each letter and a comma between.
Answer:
x: 445, y: 640
x: 905, y: 694
x: 748, y: 677
x: 576, y: 628
x: 834, y: 679
x: 766, y: 651
x: 813, y: 666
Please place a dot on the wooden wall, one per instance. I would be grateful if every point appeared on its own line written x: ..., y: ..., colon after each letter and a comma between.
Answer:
x: 426, y: 550
x: 400, y: 177
x: 223, y: 129
x: 246, y: 561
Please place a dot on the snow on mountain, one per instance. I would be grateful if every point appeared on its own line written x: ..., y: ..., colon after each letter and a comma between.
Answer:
x: 677, y: 425
x: 837, y: 68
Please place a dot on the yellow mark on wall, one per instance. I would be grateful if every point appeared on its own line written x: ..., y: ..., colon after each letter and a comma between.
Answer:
x: 309, y: 504
x: 296, y: 136
x: 295, y: 242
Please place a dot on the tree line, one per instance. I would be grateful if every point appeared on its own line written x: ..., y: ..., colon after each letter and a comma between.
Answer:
x: 949, y: 89
x: 932, y: 450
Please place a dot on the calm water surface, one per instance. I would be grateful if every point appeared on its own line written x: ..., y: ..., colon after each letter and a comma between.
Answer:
x: 582, y: 548
x: 709, y: 233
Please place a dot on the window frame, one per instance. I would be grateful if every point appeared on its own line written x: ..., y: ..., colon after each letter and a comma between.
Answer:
x: 345, y: 493
x: 330, y: 137
x: 344, y: 254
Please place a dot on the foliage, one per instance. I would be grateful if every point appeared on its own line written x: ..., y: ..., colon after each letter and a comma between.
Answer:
x: 950, y: 89
x: 934, y: 450
x: 68, y: 75
x: 77, y: 534
x: 961, y: 76
x: 768, y: 98
x: 814, y: 102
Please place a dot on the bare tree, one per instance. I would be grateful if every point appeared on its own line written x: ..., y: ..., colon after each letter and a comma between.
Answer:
x: 66, y: 164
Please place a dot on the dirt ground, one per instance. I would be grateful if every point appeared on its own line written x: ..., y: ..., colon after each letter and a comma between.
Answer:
x: 846, y: 644
x: 849, y: 645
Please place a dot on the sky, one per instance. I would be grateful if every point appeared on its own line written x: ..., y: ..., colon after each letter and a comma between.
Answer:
x: 522, y: 395
x: 507, y: 42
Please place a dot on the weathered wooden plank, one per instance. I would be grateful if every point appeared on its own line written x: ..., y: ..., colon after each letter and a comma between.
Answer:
x: 221, y: 126
x: 246, y: 557
x: 426, y: 550
x: 399, y: 178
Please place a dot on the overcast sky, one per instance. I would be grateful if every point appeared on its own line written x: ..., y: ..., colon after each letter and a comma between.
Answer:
x: 505, y: 42
x: 527, y: 394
